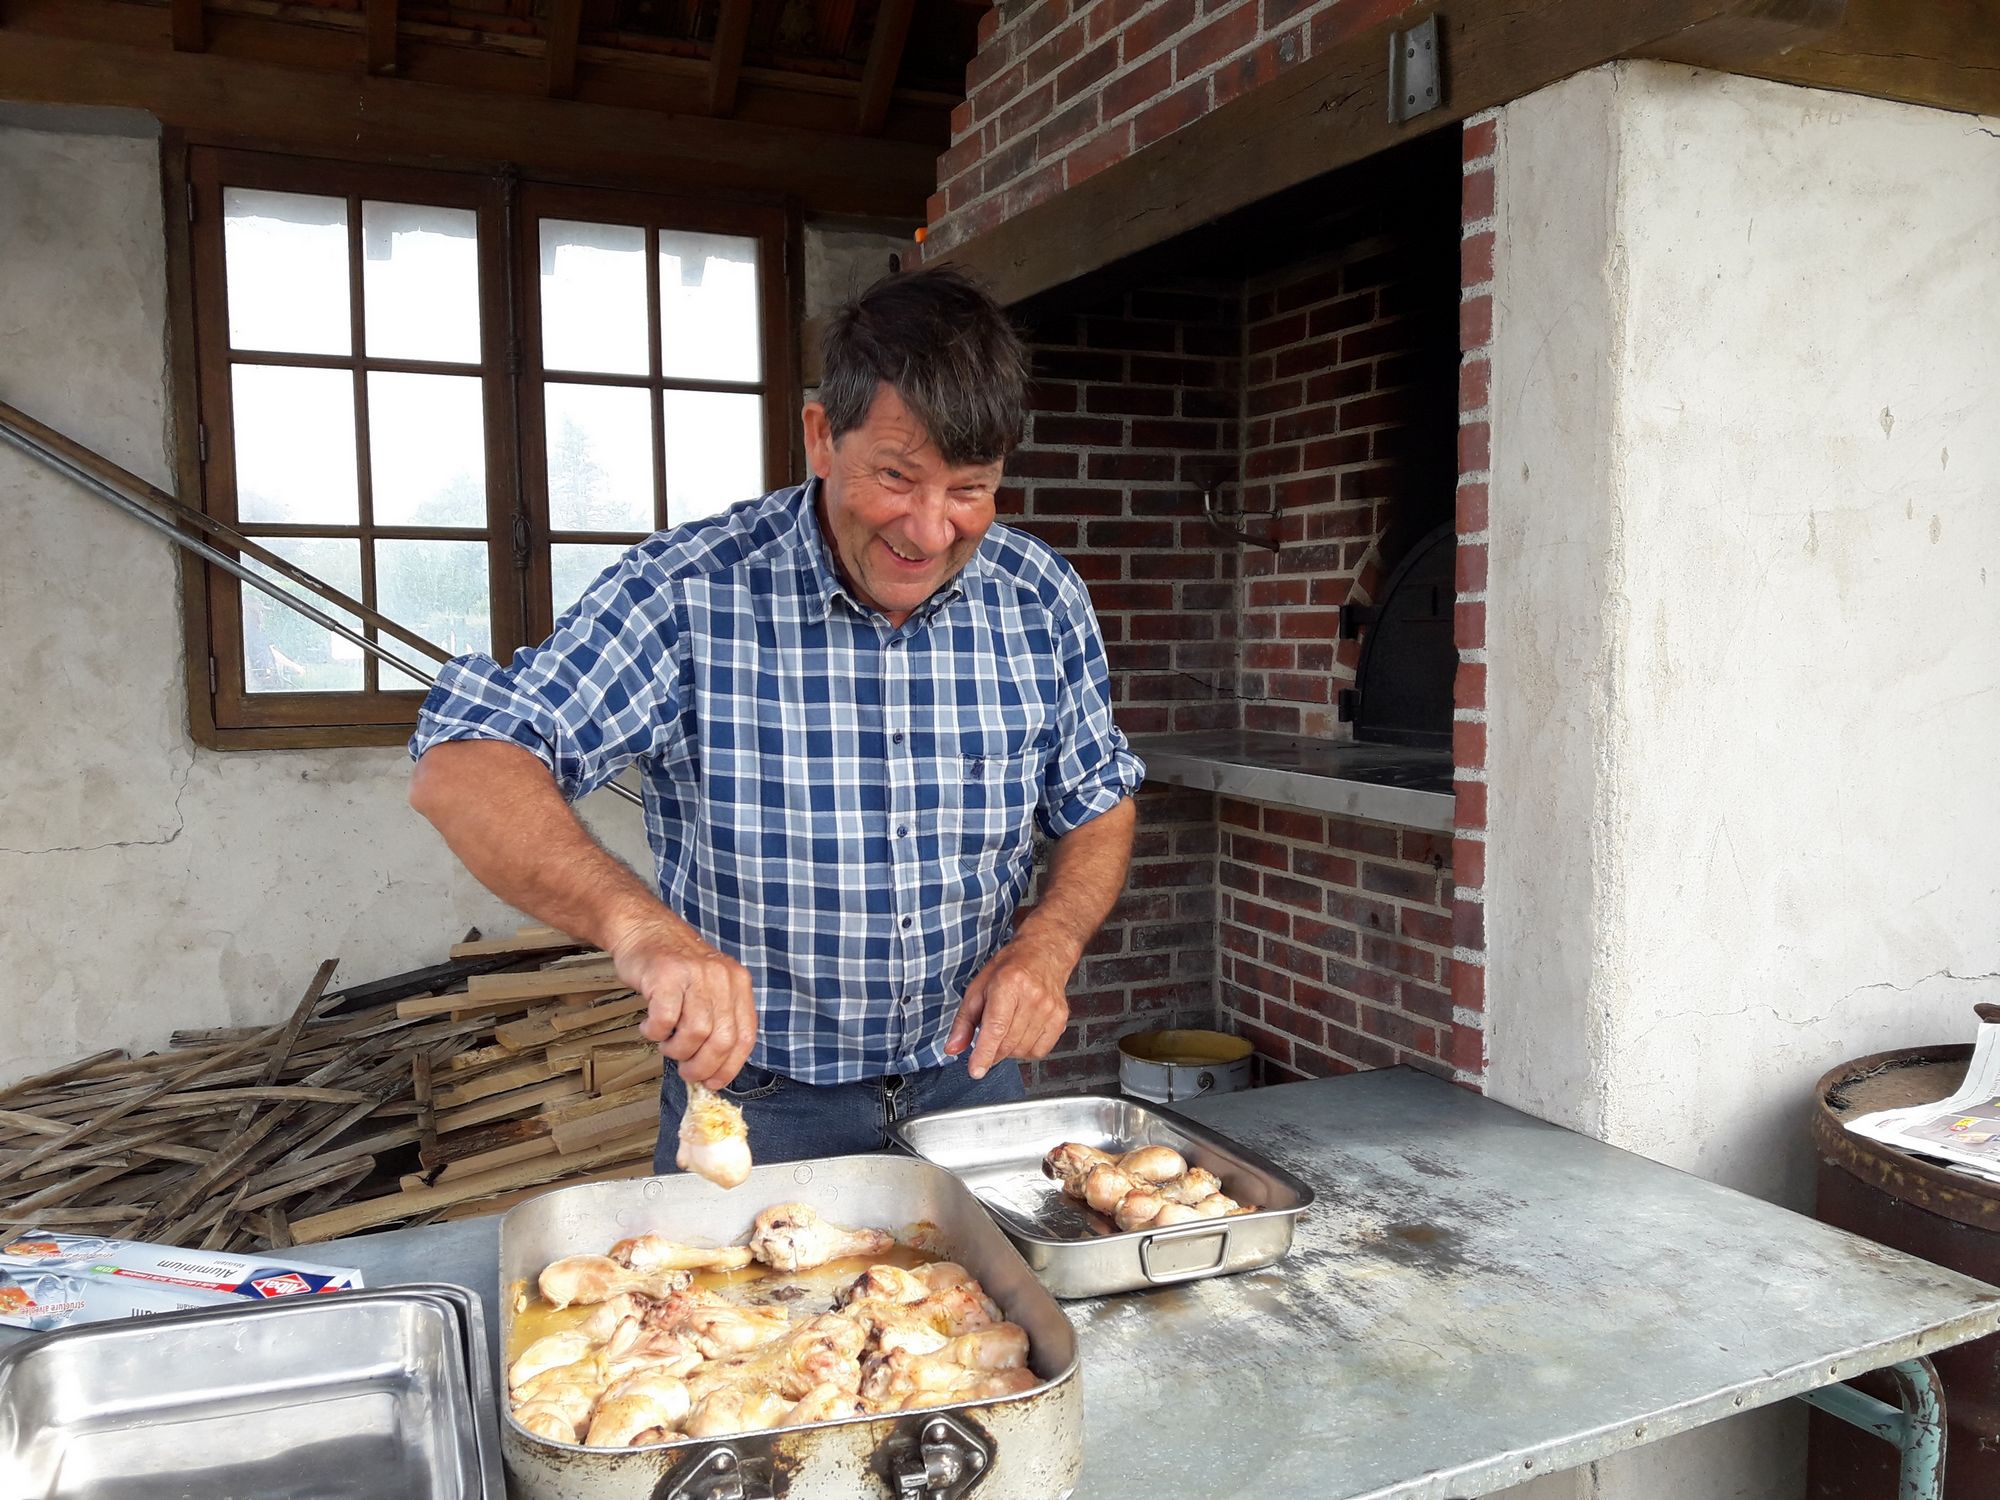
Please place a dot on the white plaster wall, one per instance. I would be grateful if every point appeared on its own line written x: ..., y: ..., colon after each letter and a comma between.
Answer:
x: 1743, y: 625
x: 148, y: 885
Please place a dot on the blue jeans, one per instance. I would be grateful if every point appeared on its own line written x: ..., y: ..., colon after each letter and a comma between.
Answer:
x: 801, y: 1121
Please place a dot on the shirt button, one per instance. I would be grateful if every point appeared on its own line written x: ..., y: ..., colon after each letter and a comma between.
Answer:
x: 897, y: 641
x: 902, y: 830
x: 906, y: 922
x: 896, y: 738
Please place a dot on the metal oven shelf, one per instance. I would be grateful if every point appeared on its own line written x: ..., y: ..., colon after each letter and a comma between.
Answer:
x: 1410, y: 788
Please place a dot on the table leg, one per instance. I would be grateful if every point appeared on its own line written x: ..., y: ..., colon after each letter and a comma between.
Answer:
x: 1916, y: 1427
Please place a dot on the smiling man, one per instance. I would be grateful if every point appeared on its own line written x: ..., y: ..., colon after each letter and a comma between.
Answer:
x: 851, y: 702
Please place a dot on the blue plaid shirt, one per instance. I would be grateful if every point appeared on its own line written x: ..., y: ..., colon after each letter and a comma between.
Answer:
x: 846, y: 809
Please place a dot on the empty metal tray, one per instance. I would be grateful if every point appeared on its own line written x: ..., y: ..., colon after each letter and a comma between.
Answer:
x: 997, y: 1151
x: 357, y: 1394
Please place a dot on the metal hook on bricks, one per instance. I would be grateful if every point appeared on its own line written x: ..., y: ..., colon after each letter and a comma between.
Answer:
x: 144, y: 503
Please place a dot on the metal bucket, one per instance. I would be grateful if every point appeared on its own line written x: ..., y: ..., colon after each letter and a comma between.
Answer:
x: 1165, y: 1067
x: 1948, y: 1217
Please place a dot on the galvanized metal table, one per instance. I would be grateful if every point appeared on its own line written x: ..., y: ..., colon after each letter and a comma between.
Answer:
x: 1476, y: 1298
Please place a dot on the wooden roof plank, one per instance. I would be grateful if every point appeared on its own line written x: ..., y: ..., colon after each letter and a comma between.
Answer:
x: 381, y: 44
x: 725, y: 64
x: 885, y: 60
x: 565, y: 29
x: 189, y: 27
x: 278, y: 107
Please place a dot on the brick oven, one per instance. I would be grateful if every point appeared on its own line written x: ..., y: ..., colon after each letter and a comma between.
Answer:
x: 1237, y: 436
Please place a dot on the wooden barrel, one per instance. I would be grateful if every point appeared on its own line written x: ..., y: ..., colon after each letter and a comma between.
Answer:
x: 1948, y: 1217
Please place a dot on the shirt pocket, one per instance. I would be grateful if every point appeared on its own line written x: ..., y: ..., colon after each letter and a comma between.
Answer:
x: 996, y: 787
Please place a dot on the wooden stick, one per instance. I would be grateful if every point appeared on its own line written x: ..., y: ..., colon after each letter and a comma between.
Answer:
x: 640, y: 1165
x: 393, y: 1206
x: 527, y: 940
x: 499, y: 1081
x: 577, y: 1135
x: 651, y: 1067
x: 471, y: 1166
x: 558, y: 980
x: 61, y: 1075
x: 501, y: 1105
x: 176, y: 1080
x: 576, y: 1020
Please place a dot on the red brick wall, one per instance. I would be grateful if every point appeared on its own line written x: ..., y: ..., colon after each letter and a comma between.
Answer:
x: 1468, y: 984
x: 1336, y: 942
x: 1061, y: 89
x: 1132, y: 395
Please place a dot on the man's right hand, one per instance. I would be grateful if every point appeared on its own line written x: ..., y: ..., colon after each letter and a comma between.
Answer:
x: 699, y: 1004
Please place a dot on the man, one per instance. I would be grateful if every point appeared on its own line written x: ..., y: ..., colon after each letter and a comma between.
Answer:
x: 851, y: 702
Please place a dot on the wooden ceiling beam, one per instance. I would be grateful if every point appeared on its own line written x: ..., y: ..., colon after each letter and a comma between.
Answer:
x: 1329, y: 111
x: 725, y: 63
x: 189, y: 28
x: 238, y: 101
x: 1946, y: 55
x: 381, y: 21
x: 565, y: 30
x: 885, y: 60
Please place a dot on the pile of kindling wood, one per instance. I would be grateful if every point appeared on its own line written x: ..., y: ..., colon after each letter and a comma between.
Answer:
x: 455, y: 1090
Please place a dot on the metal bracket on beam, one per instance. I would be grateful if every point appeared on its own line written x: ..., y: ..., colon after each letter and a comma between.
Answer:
x: 1415, y: 83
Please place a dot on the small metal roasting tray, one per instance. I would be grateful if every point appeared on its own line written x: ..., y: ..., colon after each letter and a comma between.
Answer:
x: 360, y: 1395
x: 997, y: 1151
x: 1025, y: 1447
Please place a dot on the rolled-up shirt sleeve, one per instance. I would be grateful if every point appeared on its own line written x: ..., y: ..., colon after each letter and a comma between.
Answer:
x: 1092, y: 767
x: 600, y: 693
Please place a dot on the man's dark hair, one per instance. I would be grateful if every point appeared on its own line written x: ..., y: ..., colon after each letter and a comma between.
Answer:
x: 946, y: 347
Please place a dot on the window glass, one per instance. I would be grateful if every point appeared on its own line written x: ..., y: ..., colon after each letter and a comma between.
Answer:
x: 715, y: 452
x: 438, y: 590
x: 286, y: 255
x: 283, y: 651
x: 708, y: 307
x: 426, y: 449
x: 594, y: 297
x: 600, y: 442
x: 420, y: 282
x: 295, y: 457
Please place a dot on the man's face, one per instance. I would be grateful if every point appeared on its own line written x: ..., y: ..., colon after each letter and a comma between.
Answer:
x: 901, y: 521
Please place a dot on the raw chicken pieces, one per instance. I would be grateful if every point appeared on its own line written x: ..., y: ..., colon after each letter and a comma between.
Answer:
x: 659, y: 1359
x: 715, y: 1143
x: 1152, y: 1187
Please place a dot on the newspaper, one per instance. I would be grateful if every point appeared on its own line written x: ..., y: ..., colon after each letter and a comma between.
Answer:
x: 1962, y: 1131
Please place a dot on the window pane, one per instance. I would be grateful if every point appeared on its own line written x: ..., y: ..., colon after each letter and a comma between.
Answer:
x: 294, y: 445
x: 600, y: 442
x: 708, y: 307
x: 285, y: 263
x: 438, y: 590
x: 283, y: 651
x: 574, y: 566
x: 593, y: 297
x: 426, y: 450
x: 715, y: 452
x: 420, y: 281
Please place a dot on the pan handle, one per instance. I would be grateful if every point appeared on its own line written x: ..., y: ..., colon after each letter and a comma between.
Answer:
x: 1179, y: 1254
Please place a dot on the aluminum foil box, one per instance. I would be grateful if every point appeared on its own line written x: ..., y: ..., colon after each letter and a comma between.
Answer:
x: 51, y: 1280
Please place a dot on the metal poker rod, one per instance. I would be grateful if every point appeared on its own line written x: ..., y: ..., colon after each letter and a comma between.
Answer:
x: 29, y: 442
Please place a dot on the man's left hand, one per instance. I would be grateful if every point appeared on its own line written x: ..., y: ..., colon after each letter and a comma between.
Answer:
x: 1016, y: 1004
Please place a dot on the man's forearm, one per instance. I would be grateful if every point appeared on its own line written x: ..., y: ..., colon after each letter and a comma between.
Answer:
x: 500, y: 811
x: 1086, y: 874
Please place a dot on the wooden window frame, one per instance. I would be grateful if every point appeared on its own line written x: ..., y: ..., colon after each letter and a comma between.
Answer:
x: 222, y: 714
